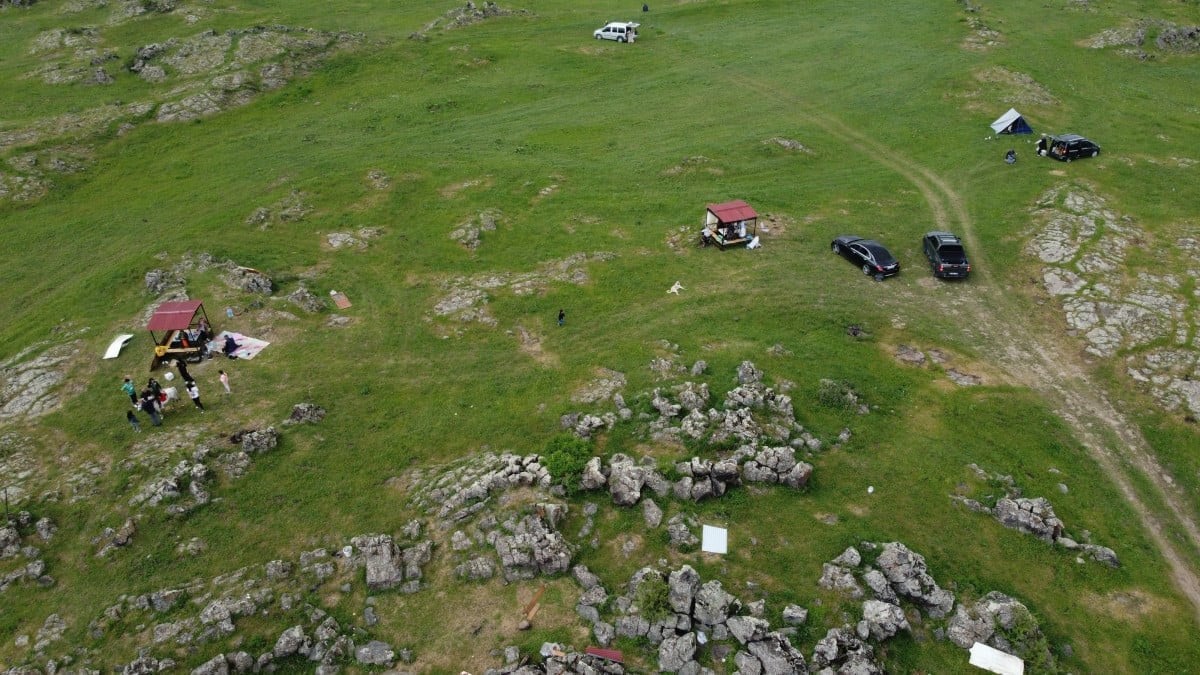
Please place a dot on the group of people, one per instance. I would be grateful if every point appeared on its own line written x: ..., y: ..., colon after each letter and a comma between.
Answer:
x: 154, y: 397
x: 726, y: 231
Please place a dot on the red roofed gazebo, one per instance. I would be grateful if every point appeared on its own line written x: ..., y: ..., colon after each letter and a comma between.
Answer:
x: 180, y: 330
x: 733, y: 223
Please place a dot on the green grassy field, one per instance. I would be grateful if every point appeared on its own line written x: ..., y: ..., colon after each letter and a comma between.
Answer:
x: 582, y: 147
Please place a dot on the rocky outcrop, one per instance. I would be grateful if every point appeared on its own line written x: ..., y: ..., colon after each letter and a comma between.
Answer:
x: 999, y: 621
x: 841, y: 651
x: 909, y: 577
x: 1034, y: 516
x: 306, y: 413
x: 532, y: 546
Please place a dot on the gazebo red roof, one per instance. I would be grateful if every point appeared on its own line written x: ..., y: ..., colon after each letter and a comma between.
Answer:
x: 174, y: 315
x: 729, y: 212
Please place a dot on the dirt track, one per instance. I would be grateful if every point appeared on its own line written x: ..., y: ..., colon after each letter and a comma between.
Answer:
x: 1034, y: 358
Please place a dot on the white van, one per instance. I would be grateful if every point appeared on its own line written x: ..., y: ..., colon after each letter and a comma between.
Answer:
x: 621, y: 31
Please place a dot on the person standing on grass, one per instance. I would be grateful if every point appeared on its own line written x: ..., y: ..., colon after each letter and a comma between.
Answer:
x: 183, y: 372
x: 129, y: 389
x: 194, y: 392
x: 225, y: 382
x: 150, y: 408
x: 562, y: 317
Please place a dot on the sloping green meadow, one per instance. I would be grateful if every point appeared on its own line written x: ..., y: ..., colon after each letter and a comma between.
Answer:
x: 594, y: 147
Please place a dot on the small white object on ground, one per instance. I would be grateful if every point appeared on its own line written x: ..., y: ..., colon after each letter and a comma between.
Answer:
x: 870, y: 489
x: 714, y: 540
x: 168, y: 376
x: 676, y: 288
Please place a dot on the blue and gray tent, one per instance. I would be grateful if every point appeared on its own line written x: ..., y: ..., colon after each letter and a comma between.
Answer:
x: 1011, y: 122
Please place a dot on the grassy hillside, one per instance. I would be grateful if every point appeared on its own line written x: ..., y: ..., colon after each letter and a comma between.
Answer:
x: 580, y: 146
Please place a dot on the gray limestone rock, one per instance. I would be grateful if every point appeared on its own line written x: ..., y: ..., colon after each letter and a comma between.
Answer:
x: 675, y: 652
x: 383, y: 560
x: 883, y: 620
x: 907, y: 573
x: 652, y: 513
x: 880, y: 587
x: 713, y: 605
x: 289, y: 642
x: 834, y: 577
x: 795, y: 615
x: 217, y: 665
x: 309, y: 413
x: 682, y: 585
x: 375, y: 653
x: 849, y: 558
x: 593, y: 477
x: 259, y: 440
x: 748, y: 374
x: 625, y: 480
x: 777, y: 655
x: 584, y: 577
x: 1035, y: 516
x: 747, y: 629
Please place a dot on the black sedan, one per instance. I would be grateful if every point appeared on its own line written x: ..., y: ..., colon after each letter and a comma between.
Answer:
x: 870, y: 255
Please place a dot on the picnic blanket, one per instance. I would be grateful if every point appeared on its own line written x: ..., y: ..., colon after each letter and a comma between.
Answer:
x: 248, y: 347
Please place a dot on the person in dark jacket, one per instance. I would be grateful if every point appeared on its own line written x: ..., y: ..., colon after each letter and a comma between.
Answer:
x: 231, y: 346
x: 183, y: 371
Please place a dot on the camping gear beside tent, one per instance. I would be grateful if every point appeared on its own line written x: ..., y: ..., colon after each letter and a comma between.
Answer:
x: 1011, y: 122
x: 729, y: 224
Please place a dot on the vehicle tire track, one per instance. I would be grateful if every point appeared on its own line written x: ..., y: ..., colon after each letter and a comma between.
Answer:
x: 1053, y: 371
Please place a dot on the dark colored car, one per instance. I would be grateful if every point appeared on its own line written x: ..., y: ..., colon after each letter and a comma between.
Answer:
x: 1066, y: 147
x: 870, y: 255
x: 947, y: 257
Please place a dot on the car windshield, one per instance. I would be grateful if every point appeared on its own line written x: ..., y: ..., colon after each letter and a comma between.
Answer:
x: 952, y: 254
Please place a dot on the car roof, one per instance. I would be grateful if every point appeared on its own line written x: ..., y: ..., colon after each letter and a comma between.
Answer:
x: 1069, y: 137
x: 944, y: 236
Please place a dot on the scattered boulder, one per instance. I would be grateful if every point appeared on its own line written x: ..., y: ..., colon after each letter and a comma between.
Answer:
x: 259, y: 440
x: 1035, y: 516
x: 842, y: 651
x: 881, y: 620
x: 383, y: 560
x: 249, y: 280
x: 306, y: 300
x: 534, y: 546
x: 907, y: 573
x: 375, y: 653
x: 306, y: 413
x: 675, y: 652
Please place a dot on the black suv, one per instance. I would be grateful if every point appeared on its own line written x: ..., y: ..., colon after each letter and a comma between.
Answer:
x: 1066, y: 147
x: 947, y: 258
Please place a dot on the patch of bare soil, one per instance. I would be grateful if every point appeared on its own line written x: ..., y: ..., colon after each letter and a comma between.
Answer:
x: 692, y: 165
x: 1001, y: 85
x: 531, y: 346
x: 1132, y: 606
x: 981, y: 36
x: 451, y: 191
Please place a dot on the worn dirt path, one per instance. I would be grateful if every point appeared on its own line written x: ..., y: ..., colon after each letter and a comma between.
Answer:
x: 1034, y: 357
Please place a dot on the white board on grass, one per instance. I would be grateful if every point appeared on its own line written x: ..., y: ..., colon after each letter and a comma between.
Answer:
x: 714, y: 540
x: 114, y: 348
x: 996, y: 661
